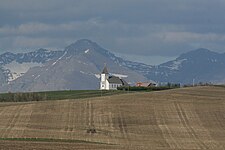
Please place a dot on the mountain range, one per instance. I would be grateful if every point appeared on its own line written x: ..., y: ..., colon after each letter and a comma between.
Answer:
x: 201, y: 65
x: 78, y: 65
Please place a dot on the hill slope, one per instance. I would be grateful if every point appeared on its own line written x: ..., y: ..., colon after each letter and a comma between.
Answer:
x: 190, y: 118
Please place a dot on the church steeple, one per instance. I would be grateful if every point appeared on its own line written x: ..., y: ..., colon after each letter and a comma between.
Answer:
x: 104, y: 84
x: 105, y: 70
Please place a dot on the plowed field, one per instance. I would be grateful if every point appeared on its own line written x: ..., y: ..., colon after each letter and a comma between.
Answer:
x: 189, y: 118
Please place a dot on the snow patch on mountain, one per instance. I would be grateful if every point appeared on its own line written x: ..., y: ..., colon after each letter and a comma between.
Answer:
x: 86, y: 51
x: 59, y: 58
x: 15, y: 70
x: 214, y: 60
x: 86, y: 73
x: 176, y: 64
x: 37, y: 77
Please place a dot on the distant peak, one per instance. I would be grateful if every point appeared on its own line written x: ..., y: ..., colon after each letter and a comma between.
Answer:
x: 199, y: 53
x: 202, y: 50
x: 42, y: 50
x: 83, y: 45
x: 7, y: 54
x: 84, y: 41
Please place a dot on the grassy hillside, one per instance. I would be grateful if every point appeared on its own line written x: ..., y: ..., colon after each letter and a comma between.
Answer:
x: 55, y: 95
x: 189, y: 118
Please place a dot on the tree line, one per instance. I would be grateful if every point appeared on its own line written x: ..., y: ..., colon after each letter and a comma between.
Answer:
x: 150, y: 88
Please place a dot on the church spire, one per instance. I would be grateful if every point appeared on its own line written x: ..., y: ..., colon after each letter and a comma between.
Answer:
x: 105, y: 70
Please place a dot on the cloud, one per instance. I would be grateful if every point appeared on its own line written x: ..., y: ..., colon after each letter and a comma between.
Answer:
x: 136, y: 27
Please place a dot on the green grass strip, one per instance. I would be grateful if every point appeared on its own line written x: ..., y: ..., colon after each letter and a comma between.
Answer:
x: 55, y: 95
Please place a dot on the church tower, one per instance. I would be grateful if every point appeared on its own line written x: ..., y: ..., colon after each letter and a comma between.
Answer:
x: 104, y: 84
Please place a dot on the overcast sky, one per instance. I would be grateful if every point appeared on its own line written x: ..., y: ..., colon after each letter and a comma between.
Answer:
x: 151, y: 31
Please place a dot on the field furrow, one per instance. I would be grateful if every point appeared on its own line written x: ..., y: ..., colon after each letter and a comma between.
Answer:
x: 189, y: 118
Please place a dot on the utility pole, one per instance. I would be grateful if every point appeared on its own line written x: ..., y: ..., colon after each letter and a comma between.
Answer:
x: 193, y: 82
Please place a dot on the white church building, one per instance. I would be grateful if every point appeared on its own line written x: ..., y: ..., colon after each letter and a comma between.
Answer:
x: 110, y: 82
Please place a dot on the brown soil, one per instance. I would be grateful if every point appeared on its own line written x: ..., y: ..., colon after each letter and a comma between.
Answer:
x: 189, y: 118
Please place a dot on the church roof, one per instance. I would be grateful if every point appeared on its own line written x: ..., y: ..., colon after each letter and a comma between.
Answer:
x: 113, y: 79
x: 124, y: 82
x: 105, y: 70
x: 117, y: 80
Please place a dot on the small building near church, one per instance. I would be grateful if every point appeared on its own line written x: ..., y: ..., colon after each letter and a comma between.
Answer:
x: 110, y: 82
x: 146, y: 84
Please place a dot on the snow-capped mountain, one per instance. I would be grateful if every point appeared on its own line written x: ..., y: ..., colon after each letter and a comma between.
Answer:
x: 38, y: 56
x: 200, y: 65
x: 14, y: 66
x: 74, y: 68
